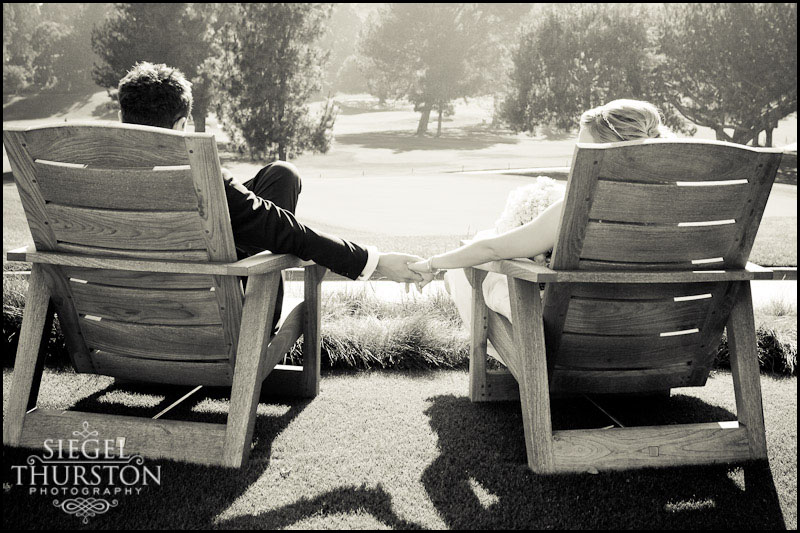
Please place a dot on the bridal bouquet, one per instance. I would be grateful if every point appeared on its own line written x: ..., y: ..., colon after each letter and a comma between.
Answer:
x: 527, y: 202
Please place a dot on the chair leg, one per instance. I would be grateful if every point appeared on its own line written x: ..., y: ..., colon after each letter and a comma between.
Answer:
x: 479, y: 330
x: 744, y: 367
x: 27, y: 369
x: 534, y: 390
x: 312, y: 336
x: 259, y: 306
x: 37, y: 376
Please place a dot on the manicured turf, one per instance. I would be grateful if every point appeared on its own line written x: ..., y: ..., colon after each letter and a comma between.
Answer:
x: 408, y: 450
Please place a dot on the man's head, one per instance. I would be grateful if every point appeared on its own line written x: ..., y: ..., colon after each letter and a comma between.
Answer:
x: 155, y: 95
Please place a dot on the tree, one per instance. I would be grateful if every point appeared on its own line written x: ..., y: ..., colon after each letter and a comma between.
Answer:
x: 178, y: 34
x: 269, y: 68
x: 576, y: 57
x: 47, y: 46
x: 433, y: 54
x: 731, y: 67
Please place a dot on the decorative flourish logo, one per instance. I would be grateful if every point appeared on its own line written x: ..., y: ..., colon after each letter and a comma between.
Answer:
x: 85, y: 508
x: 86, y: 475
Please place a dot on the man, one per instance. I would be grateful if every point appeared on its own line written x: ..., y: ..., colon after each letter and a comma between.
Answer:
x: 261, y: 209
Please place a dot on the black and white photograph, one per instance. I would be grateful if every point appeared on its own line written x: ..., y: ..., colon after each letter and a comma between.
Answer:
x: 481, y: 266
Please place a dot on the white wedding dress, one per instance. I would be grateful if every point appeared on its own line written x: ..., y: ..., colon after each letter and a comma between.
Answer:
x: 523, y: 205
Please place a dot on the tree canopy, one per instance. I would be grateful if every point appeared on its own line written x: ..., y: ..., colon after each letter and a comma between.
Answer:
x: 271, y: 65
x: 730, y: 67
x: 434, y: 53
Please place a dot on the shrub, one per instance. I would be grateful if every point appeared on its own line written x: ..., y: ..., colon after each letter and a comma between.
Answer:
x: 359, y: 331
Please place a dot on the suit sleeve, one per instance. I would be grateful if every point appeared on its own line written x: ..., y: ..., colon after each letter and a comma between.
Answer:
x: 260, y: 225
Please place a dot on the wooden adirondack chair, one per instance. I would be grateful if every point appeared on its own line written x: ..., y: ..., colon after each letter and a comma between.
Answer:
x: 135, y: 252
x: 650, y: 266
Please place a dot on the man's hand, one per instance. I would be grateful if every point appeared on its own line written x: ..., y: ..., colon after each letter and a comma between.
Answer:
x: 395, y: 267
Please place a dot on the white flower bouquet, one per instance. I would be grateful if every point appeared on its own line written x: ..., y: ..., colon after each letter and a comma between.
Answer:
x: 527, y: 202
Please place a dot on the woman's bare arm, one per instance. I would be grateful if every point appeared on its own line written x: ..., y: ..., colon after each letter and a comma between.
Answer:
x: 529, y: 240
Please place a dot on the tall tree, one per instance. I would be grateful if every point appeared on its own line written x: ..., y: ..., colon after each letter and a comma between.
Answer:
x: 178, y: 34
x: 435, y: 53
x: 270, y: 67
x: 731, y: 67
x: 576, y: 57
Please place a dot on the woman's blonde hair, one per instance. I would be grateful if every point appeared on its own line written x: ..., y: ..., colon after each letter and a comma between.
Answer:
x: 624, y: 120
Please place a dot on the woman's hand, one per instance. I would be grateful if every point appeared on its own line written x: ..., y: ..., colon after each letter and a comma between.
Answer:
x: 423, y: 269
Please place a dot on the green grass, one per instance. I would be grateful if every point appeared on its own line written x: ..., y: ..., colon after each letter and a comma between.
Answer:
x: 408, y: 450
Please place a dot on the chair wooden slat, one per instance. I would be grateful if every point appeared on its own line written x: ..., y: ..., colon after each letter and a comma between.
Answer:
x: 126, y: 230
x: 671, y: 161
x: 623, y: 352
x: 155, y: 341
x: 633, y: 317
x: 166, y: 189
x: 147, y: 306
x: 616, y: 201
x: 172, y: 372
x: 655, y: 244
x: 107, y: 145
x: 614, y: 381
x: 142, y: 280
x: 199, y: 255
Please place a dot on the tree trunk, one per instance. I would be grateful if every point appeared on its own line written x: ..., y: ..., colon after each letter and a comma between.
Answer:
x: 422, y: 128
x: 199, y: 121
x: 282, y: 152
x: 439, y: 127
x: 200, y: 110
x: 768, y: 141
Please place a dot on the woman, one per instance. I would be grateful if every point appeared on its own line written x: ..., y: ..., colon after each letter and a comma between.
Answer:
x: 620, y: 120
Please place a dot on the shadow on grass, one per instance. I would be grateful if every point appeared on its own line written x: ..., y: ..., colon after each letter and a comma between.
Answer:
x: 480, y: 480
x: 193, y: 496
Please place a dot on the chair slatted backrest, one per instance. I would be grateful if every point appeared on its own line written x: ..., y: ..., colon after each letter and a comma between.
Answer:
x: 143, y: 193
x: 654, y: 205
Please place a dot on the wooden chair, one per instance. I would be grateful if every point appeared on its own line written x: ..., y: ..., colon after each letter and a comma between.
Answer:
x: 649, y: 267
x: 134, y: 249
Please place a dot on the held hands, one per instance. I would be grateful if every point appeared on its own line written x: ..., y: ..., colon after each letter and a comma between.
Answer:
x: 397, y: 267
x: 424, y: 269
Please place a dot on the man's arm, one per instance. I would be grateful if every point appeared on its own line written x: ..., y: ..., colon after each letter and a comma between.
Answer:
x: 259, y: 225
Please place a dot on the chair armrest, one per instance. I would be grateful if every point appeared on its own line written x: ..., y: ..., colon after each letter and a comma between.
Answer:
x: 530, y: 271
x: 257, y: 264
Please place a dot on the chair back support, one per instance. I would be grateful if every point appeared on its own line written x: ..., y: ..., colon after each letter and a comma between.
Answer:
x: 143, y: 193
x: 653, y: 205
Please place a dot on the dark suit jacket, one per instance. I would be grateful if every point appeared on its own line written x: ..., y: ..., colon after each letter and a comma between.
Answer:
x: 259, y: 225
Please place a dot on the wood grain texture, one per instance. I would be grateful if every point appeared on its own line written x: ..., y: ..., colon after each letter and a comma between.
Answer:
x: 658, y: 446
x: 612, y: 352
x: 147, y: 306
x: 30, y: 195
x: 526, y: 311
x: 620, y: 381
x: 28, y: 356
x: 214, y: 373
x: 140, y: 280
x: 61, y: 296
x: 501, y: 386
x: 88, y: 252
x: 312, y: 330
x: 258, y: 309
x: 669, y: 161
x: 168, y: 189
x: 479, y: 334
x: 156, y: 341
x: 646, y: 291
x: 286, y: 337
x: 633, y: 317
x: 745, y: 370
x: 108, y: 145
x: 501, y: 335
x: 195, y: 442
x: 126, y: 230
x: 655, y: 244
x: 753, y: 209
x: 666, y: 203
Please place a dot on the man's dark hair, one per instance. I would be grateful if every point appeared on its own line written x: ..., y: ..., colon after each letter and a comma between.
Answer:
x: 154, y: 95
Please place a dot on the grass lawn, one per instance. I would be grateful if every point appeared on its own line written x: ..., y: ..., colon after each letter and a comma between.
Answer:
x: 408, y: 450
